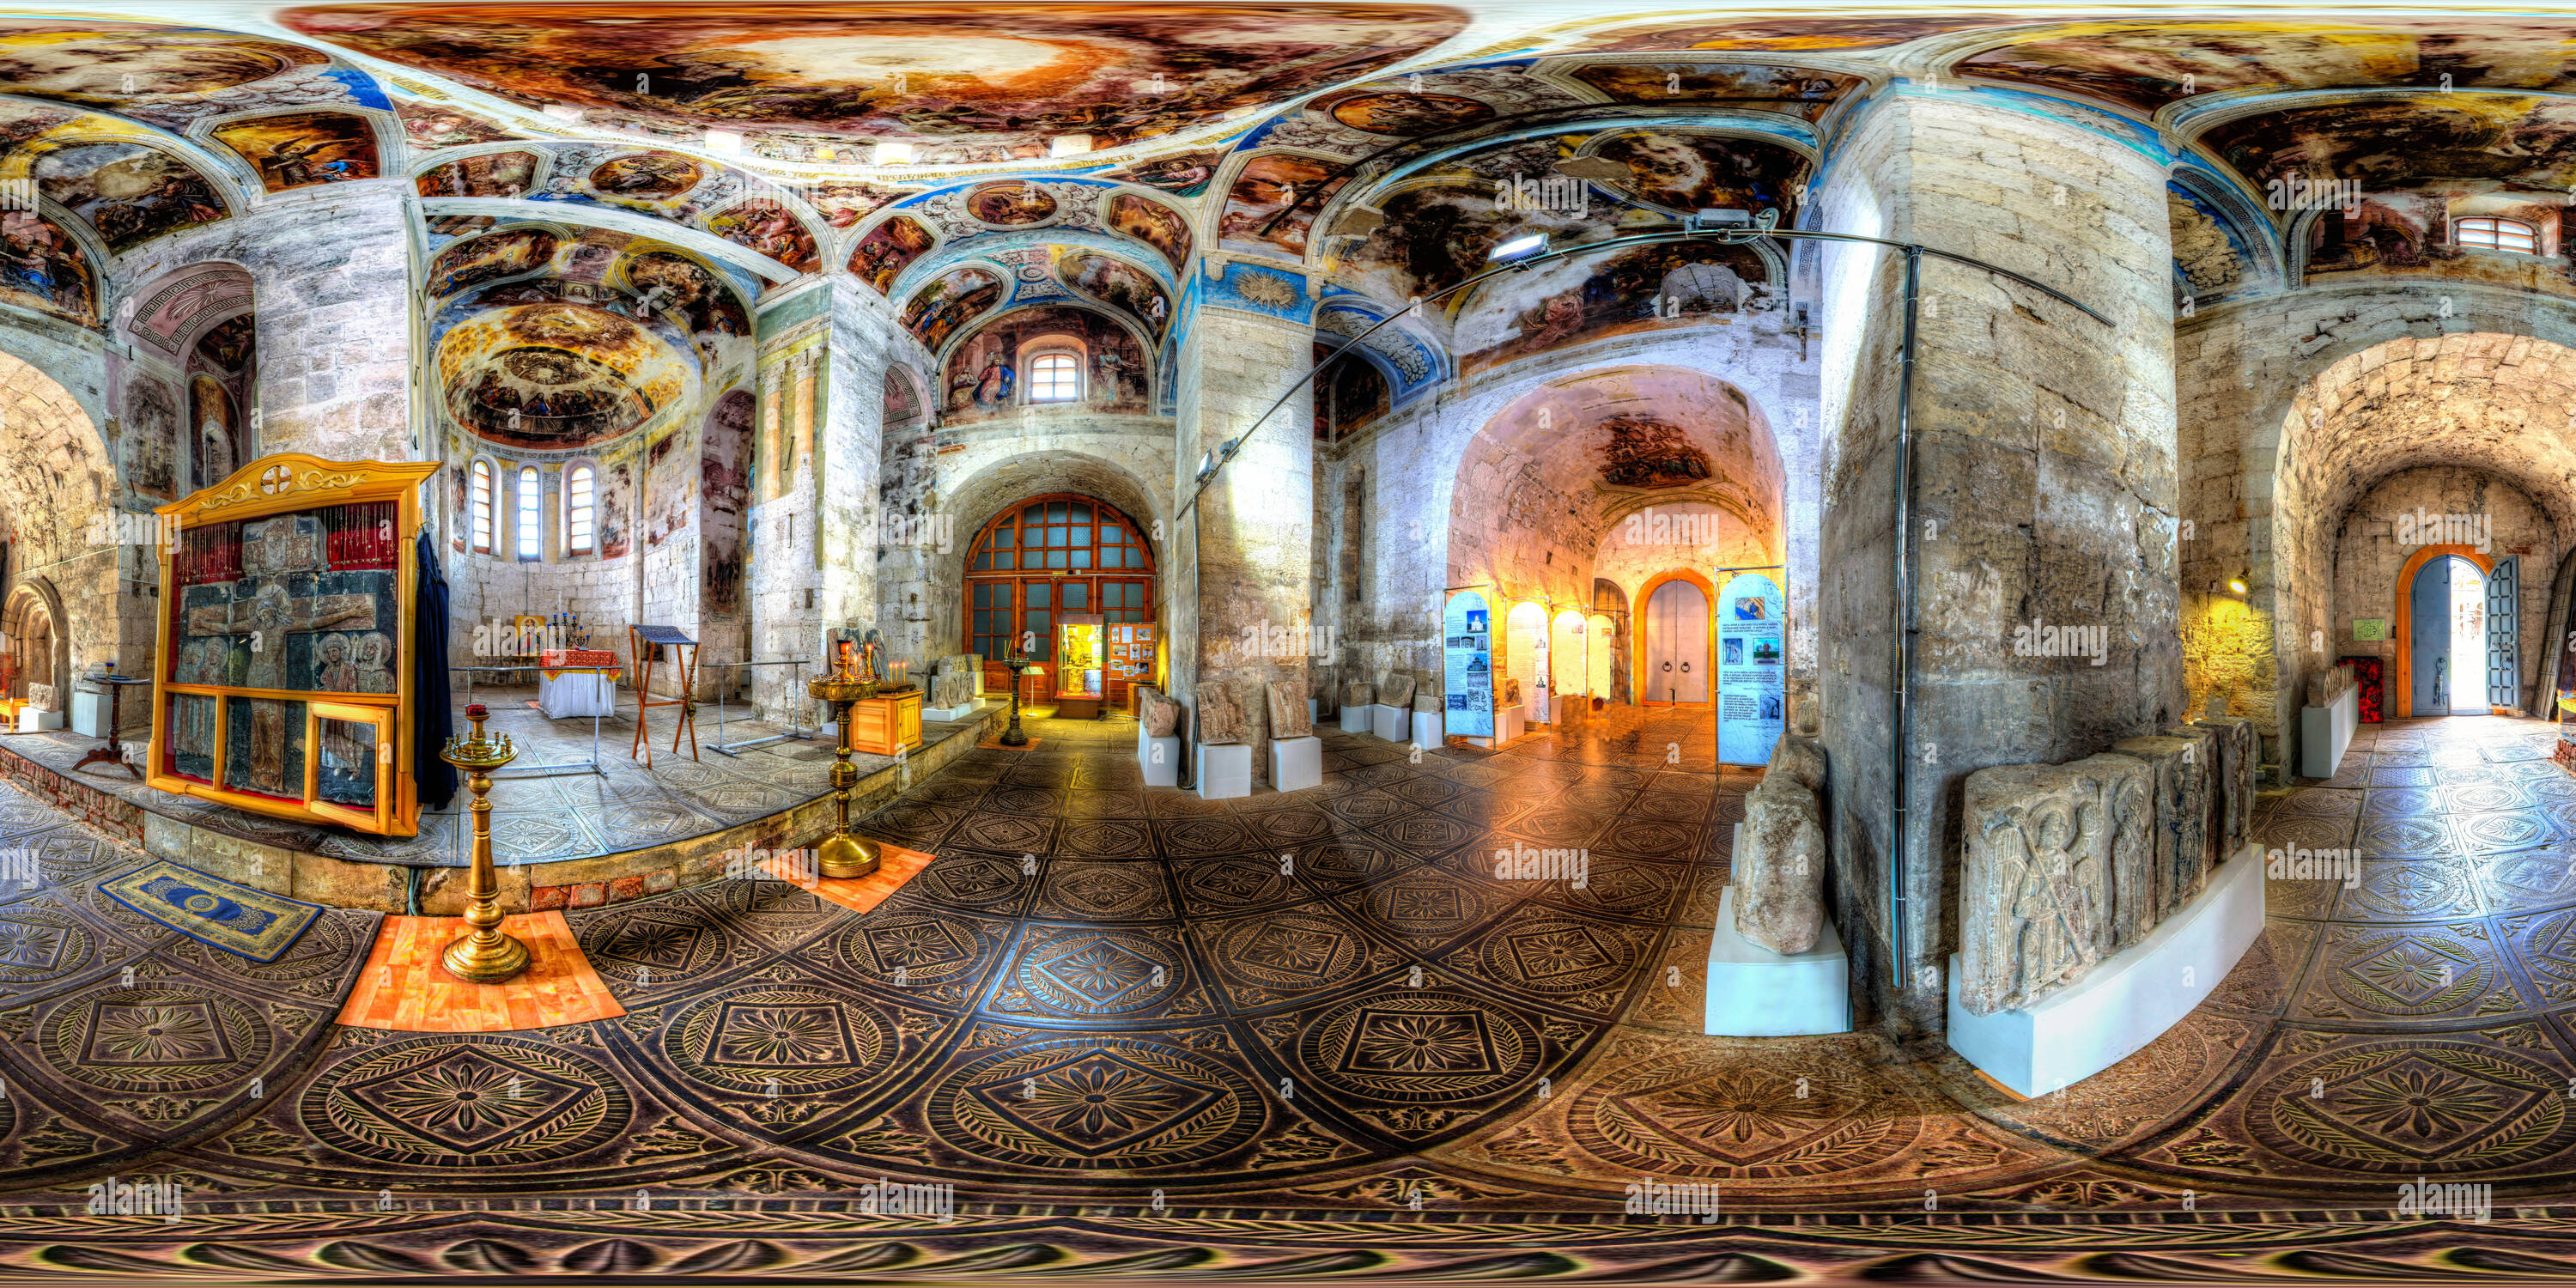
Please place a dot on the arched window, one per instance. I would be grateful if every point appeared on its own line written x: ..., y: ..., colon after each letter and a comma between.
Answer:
x: 1055, y: 377
x: 532, y: 510
x: 581, y: 509
x: 2483, y: 233
x: 482, y: 507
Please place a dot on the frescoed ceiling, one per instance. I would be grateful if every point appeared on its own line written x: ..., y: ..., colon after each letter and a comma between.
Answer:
x: 1382, y: 148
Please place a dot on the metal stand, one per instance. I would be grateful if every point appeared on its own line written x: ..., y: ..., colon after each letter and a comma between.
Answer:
x: 484, y: 955
x: 643, y: 643
x: 795, y: 714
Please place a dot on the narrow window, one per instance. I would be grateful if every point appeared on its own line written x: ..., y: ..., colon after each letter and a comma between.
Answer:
x: 482, y: 507
x: 581, y: 510
x: 532, y: 508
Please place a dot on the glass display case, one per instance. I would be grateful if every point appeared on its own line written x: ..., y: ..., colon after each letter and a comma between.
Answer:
x: 284, y: 677
x: 1080, y: 652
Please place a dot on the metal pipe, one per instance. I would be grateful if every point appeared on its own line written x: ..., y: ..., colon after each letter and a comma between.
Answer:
x: 1902, y: 658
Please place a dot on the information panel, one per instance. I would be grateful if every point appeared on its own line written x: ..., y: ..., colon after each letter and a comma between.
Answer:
x: 1467, y: 631
x: 1751, y: 629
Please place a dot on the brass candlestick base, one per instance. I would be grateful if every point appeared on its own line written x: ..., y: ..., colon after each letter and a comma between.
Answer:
x: 844, y: 855
x: 1013, y: 737
x: 484, y: 955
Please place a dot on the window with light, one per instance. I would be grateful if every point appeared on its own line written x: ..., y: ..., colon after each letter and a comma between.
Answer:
x: 482, y: 507
x: 532, y: 512
x: 581, y: 510
x: 1055, y: 377
x: 2499, y: 234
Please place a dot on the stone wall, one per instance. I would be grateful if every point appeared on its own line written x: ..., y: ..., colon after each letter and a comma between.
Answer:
x: 2044, y: 486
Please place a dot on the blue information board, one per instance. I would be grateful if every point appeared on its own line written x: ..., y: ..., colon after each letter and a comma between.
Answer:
x: 1467, y: 651
x: 1752, y: 632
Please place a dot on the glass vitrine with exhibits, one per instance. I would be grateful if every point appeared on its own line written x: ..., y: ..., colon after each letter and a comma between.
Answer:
x: 284, y: 680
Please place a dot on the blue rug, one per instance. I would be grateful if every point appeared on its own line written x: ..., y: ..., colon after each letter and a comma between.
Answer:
x: 215, y: 912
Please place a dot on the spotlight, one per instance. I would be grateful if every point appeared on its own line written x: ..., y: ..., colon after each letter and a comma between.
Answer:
x: 1708, y: 220
x: 2241, y: 583
x: 1518, y: 248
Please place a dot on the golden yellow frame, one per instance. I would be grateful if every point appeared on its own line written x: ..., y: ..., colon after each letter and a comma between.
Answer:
x: 281, y: 484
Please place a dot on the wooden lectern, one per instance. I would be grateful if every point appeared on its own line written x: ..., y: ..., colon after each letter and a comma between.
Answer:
x: 644, y: 645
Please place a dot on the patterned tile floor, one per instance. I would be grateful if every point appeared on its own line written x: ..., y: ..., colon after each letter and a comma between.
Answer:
x: 563, y: 816
x: 1142, y: 1033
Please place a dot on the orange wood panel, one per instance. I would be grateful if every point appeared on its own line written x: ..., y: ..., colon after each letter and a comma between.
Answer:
x: 404, y: 986
x: 880, y: 725
x: 895, y: 865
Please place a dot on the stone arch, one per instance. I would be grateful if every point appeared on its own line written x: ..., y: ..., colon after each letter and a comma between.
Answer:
x: 181, y: 330
x: 58, y: 515
x: 32, y: 629
x: 965, y: 506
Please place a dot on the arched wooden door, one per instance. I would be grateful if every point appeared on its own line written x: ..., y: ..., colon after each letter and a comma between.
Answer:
x: 1041, y: 559
x: 1677, y: 629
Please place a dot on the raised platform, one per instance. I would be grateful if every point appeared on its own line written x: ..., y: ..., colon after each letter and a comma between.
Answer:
x: 574, y: 840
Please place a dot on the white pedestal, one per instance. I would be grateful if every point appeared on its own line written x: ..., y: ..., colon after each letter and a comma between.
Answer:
x: 2129, y: 1000
x: 1356, y: 719
x: 1296, y: 763
x: 1225, y: 771
x: 1312, y: 719
x: 30, y: 720
x: 1160, y: 758
x: 89, y: 714
x: 1754, y: 992
x: 1509, y: 723
x: 951, y: 714
x: 1390, y: 723
x: 2324, y: 733
x: 1426, y: 728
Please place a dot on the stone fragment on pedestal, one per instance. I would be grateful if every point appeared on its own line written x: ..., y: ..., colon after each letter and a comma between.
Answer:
x: 2238, y: 747
x: 1288, y: 716
x: 1800, y: 760
x: 1161, y: 715
x: 1779, y: 868
x: 1358, y: 694
x: 1221, y: 718
x: 1396, y: 690
x: 2035, y: 899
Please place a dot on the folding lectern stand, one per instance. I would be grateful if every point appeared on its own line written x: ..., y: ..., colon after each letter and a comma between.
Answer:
x: 644, y: 644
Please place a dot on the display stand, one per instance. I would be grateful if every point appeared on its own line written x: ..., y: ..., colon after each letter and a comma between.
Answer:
x: 1426, y: 729
x: 795, y: 713
x: 590, y: 766
x: 1079, y: 652
x: 1356, y: 719
x: 1296, y: 763
x: 644, y: 644
x: 1390, y: 723
x: 112, y: 749
x: 2127, y: 1001
x: 1754, y: 992
x: 1224, y: 771
x: 1160, y: 758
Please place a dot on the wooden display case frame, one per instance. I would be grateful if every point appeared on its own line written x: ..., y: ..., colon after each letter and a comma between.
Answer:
x: 283, y: 484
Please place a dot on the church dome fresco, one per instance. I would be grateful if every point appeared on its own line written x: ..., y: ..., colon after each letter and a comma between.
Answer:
x: 558, y: 376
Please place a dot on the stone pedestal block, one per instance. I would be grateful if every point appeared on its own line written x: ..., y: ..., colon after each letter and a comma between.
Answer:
x: 35, y: 719
x: 1356, y: 719
x: 1160, y: 758
x: 1390, y: 723
x: 1296, y: 763
x: 1224, y: 771
x: 1426, y: 729
x: 1754, y: 992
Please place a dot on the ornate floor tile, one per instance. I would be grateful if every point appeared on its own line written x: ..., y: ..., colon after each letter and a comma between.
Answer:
x: 2498, y: 833
x: 1234, y: 884
x: 1097, y: 973
x: 2398, y: 1107
x: 1078, y: 890
x: 2368, y: 975
x: 1274, y: 958
x: 1424, y: 908
x: 464, y: 1104
x: 1407, y: 1046
x: 2411, y: 890
x: 1106, y: 839
x: 1093, y: 1104
x: 1583, y: 963
x: 1752, y: 1114
x: 940, y: 958
x: 1189, y: 838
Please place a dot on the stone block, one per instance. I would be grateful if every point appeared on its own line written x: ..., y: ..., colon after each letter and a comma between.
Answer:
x: 1162, y: 716
x: 1222, y: 719
x: 1800, y: 760
x: 1780, y: 868
x: 1289, y: 717
x: 1395, y: 690
x: 2185, y: 846
x: 2048, y: 848
x: 1357, y: 694
x: 2239, y: 746
x: 2329, y: 684
x: 951, y: 689
x: 1509, y: 695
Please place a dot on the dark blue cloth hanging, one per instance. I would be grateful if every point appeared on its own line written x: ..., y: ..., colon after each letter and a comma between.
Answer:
x: 434, y: 721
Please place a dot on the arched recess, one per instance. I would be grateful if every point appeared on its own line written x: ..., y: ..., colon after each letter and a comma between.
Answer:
x: 189, y: 386
x: 57, y: 493
x: 1610, y: 603
x: 2487, y: 401
x: 1701, y: 653
x: 34, y: 637
x: 1044, y: 558
x: 955, y: 509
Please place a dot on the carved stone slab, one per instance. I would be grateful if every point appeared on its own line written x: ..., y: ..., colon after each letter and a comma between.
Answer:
x: 2329, y: 684
x: 951, y: 688
x: 1161, y: 715
x: 2238, y: 748
x: 2183, y: 834
x: 1395, y: 690
x: 2035, y: 884
x: 1222, y: 718
x: 1288, y: 718
x: 1357, y: 694
x: 1779, y: 870
x: 2128, y: 789
x: 1798, y: 760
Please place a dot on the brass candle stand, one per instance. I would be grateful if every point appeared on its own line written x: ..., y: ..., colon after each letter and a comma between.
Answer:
x: 484, y: 955
x: 1013, y: 661
x: 844, y: 854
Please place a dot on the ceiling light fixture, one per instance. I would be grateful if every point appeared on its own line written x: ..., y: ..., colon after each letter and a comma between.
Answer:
x: 1518, y: 248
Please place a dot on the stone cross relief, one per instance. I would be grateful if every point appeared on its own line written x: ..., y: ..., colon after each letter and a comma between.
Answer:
x: 277, y: 549
x: 2054, y: 896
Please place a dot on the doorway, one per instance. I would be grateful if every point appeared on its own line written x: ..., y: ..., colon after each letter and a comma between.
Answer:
x: 1676, y: 645
x: 1526, y: 658
x: 2461, y: 649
